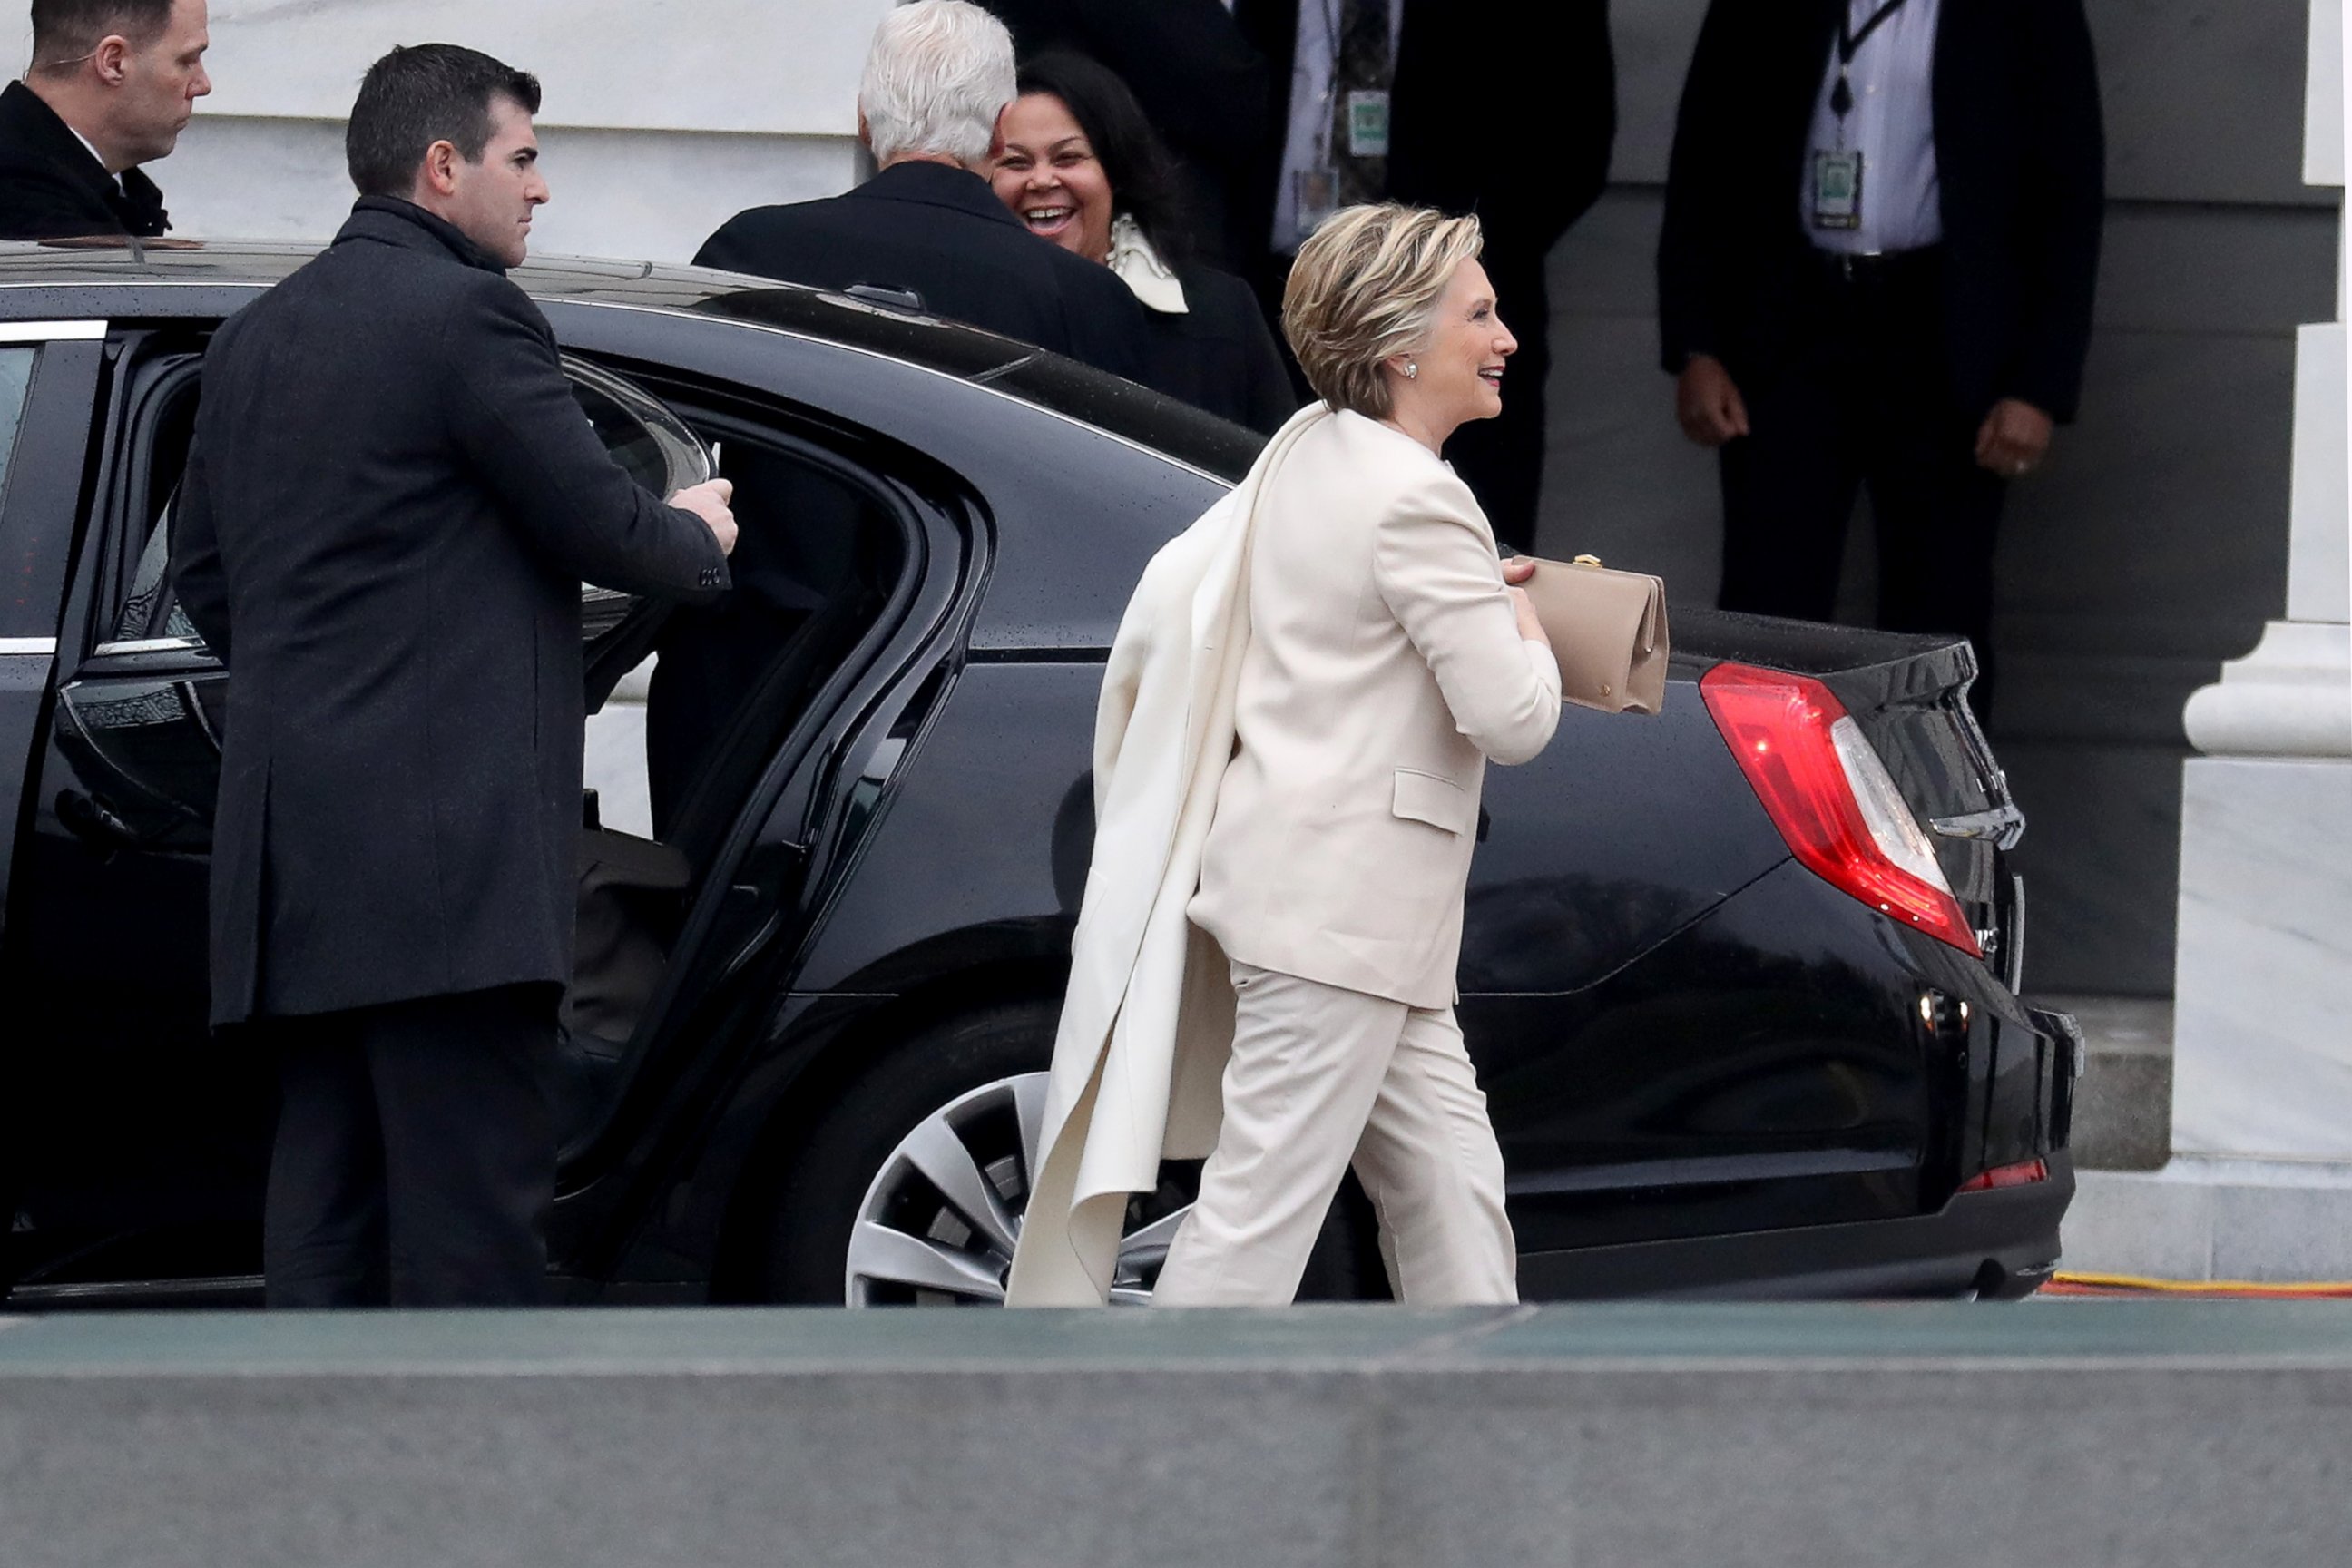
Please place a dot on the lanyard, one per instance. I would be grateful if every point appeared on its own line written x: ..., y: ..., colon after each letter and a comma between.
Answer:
x: 1334, y: 15
x: 1848, y: 41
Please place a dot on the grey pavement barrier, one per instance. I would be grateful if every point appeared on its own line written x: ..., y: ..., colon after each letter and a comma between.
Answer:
x: 2095, y: 1433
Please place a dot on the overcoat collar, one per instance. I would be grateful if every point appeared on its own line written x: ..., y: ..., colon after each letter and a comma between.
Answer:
x: 388, y: 220
x: 937, y: 186
x: 28, y: 121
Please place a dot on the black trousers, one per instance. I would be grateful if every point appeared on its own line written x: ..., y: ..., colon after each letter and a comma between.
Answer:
x: 1863, y: 400
x: 414, y: 1161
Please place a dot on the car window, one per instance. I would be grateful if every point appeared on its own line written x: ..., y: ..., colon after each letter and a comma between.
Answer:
x: 15, y: 376
x: 150, y: 611
x: 1081, y: 392
x: 658, y: 451
x: 649, y: 442
x: 1214, y: 446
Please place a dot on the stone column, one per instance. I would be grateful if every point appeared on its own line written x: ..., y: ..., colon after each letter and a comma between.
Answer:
x: 2260, y: 1185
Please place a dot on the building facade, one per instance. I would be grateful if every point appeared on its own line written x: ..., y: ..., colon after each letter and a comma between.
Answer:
x: 2153, y: 548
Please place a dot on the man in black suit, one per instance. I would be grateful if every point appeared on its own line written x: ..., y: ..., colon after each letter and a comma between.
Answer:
x: 391, y: 502
x: 937, y: 80
x: 1881, y: 244
x: 1505, y: 109
x: 112, y: 84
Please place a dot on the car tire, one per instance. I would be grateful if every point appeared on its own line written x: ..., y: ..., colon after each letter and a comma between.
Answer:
x: 975, y: 1065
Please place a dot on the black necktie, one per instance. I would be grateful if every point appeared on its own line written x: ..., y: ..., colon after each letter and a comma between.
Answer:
x: 1363, y: 61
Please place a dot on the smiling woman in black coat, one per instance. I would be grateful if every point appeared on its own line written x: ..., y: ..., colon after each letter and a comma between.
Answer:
x: 1082, y: 167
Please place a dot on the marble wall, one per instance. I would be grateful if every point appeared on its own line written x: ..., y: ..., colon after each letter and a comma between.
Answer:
x: 661, y: 117
x: 651, y: 194
x: 2263, y: 1067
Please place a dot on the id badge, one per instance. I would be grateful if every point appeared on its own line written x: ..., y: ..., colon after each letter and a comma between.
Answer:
x: 1316, y: 191
x: 1368, y: 123
x: 1837, y: 189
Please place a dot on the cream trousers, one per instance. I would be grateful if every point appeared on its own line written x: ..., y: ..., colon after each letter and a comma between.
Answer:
x: 1321, y: 1078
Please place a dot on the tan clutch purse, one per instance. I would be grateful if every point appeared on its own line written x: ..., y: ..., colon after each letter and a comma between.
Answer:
x: 1608, y: 631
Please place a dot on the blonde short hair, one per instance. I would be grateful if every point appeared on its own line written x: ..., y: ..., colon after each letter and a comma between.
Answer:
x: 1363, y: 287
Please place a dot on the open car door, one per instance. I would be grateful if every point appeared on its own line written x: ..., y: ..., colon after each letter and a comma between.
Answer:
x: 149, y: 1141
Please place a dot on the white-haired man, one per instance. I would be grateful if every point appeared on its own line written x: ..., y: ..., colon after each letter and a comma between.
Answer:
x: 938, y: 79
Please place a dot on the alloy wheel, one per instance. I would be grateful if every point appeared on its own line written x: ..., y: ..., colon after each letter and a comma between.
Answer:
x: 938, y: 1222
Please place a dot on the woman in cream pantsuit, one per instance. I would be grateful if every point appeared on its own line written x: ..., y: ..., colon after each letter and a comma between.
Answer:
x: 1388, y: 661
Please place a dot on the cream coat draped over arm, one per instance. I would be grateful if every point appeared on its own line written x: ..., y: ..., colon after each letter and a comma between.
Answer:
x: 1148, y: 1020
x: 1342, y: 616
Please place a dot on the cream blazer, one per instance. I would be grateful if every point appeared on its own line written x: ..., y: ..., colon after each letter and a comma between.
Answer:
x: 1384, y: 670
x: 1360, y: 517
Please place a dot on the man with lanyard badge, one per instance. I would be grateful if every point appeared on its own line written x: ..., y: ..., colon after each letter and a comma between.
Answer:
x: 1921, y: 326
x: 1495, y: 107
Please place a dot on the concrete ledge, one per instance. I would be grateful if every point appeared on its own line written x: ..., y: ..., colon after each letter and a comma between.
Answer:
x: 2122, y: 1432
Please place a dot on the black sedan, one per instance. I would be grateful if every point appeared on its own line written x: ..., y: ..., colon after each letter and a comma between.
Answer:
x: 1740, y: 979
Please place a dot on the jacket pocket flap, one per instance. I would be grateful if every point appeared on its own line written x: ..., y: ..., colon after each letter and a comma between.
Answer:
x: 1441, y: 802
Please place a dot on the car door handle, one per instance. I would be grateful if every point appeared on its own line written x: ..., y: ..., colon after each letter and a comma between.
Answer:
x: 94, y: 822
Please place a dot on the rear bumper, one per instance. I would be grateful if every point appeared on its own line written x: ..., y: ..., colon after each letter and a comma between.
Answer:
x: 2002, y: 1243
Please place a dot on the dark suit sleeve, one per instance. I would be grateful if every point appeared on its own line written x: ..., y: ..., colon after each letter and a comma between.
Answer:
x: 1508, y: 111
x: 197, y: 580
x: 1686, y: 247
x: 2066, y: 203
x: 512, y: 414
x: 1576, y: 91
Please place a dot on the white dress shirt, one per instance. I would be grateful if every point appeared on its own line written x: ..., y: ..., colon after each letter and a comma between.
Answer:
x: 1307, y: 143
x: 94, y: 153
x: 1892, y: 123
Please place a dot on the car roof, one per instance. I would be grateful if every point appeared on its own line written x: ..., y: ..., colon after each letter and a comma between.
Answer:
x: 952, y: 347
x: 248, y: 264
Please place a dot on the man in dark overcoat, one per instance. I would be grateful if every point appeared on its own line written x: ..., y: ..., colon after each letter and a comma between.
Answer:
x: 938, y: 78
x: 111, y: 86
x: 1500, y: 107
x: 1876, y: 271
x: 392, y: 504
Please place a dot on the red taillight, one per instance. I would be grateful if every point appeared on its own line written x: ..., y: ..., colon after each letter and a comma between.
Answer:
x: 1831, y: 796
x: 2025, y: 1173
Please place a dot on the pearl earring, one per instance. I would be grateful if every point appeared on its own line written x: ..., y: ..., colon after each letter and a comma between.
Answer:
x: 1410, y: 370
